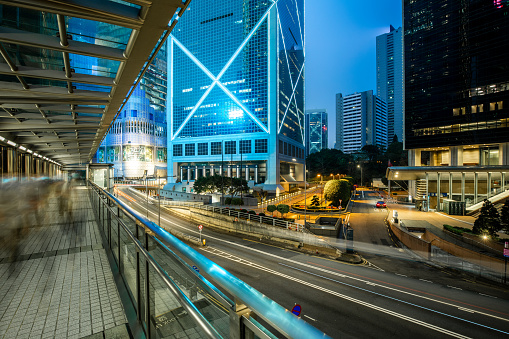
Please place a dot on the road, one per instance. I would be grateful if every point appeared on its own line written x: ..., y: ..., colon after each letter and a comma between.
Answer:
x: 348, y: 301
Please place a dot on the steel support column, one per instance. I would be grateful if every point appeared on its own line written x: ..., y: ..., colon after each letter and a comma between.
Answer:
x: 463, y: 186
x: 438, y: 191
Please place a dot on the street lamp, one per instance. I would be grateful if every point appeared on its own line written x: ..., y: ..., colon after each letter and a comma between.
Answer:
x: 359, y: 166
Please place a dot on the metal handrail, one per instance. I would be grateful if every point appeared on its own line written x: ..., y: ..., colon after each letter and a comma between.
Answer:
x: 274, y: 314
x: 186, y: 303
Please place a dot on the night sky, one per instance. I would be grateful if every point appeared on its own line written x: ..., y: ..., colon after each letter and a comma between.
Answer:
x: 341, y: 49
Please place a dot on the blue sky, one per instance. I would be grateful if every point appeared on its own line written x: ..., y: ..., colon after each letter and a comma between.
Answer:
x: 341, y: 49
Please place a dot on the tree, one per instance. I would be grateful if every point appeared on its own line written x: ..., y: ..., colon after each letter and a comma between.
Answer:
x: 204, y: 185
x: 315, y: 201
x: 283, y: 209
x: 328, y: 161
x: 488, y: 221
x: 261, y: 194
x: 504, y: 216
x: 236, y: 185
x: 336, y: 190
x: 271, y: 209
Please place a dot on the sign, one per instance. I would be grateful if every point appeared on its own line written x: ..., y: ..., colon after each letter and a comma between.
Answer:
x: 196, y: 269
x: 506, y: 252
x: 296, y: 310
x: 200, y: 227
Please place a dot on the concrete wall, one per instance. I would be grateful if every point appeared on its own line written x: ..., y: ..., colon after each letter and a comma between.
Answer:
x: 182, y: 196
x: 474, y: 257
x: 416, y: 244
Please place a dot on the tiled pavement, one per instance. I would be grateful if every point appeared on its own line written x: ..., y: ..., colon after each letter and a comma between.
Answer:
x: 60, y: 283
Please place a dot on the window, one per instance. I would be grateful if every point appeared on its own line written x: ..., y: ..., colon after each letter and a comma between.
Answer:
x: 215, y: 148
x: 245, y: 146
x: 203, y: 148
x: 261, y: 146
x: 230, y: 147
x: 280, y: 147
x: 134, y: 113
x: 177, y: 150
x: 190, y: 150
x: 286, y: 149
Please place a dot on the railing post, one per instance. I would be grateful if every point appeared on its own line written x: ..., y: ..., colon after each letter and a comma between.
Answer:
x: 237, y: 330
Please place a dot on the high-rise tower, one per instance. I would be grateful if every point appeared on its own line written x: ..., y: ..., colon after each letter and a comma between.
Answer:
x: 316, y: 130
x: 361, y: 119
x: 390, y: 79
x: 237, y: 93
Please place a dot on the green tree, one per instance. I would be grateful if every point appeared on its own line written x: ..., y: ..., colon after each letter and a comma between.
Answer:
x: 204, y: 185
x: 504, y: 216
x: 328, y: 161
x: 236, y: 185
x: 488, y: 221
x: 315, y: 201
x: 271, y: 209
x: 283, y: 209
x: 237, y: 201
x: 260, y: 194
x: 336, y: 190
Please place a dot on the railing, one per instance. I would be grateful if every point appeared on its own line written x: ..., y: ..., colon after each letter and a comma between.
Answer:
x: 485, y: 196
x: 169, y: 295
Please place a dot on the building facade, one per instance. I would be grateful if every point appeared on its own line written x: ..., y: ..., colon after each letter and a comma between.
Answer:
x: 390, y: 84
x: 136, y: 142
x: 361, y: 119
x: 237, y: 93
x: 457, y: 98
x: 317, y: 133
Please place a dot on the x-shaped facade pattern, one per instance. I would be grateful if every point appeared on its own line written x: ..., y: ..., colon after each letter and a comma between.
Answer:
x: 177, y: 127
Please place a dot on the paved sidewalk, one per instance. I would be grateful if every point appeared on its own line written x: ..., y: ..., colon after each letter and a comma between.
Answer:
x: 59, y: 283
x: 407, y: 213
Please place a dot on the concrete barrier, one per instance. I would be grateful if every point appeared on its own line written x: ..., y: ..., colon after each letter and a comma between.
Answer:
x: 413, y: 242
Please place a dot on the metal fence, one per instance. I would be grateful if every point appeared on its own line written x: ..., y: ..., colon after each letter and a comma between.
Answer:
x: 170, y: 297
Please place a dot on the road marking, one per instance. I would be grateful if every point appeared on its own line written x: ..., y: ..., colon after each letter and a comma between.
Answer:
x: 486, y: 295
x: 357, y: 301
x: 349, y: 275
x: 308, y: 317
x: 431, y: 282
x: 403, y: 301
x: 456, y: 288
x: 401, y: 275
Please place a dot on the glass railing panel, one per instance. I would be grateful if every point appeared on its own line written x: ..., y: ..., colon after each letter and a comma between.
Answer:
x: 187, y: 280
x: 114, y: 237
x: 128, y: 263
x: 170, y: 319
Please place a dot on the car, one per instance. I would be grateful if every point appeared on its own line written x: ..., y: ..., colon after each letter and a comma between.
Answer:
x: 380, y: 204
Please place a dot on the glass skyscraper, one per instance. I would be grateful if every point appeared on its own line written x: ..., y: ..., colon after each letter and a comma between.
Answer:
x: 136, y: 141
x: 390, y: 84
x: 316, y: 130
x: 236, y: 93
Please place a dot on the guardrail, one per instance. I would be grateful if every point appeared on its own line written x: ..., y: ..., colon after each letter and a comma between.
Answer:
x: 165, y: 290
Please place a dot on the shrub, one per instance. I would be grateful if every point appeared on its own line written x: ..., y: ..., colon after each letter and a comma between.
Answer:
x: 228, y: 201
x: 251, y: 212
x: 237, y: 201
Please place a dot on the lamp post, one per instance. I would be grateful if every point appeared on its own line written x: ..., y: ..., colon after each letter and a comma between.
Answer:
x: 359, y: 166
x: 321, y: 188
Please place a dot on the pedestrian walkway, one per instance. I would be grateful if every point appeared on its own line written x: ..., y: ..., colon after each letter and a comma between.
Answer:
x: 58, y: 283
x: 408, y: 213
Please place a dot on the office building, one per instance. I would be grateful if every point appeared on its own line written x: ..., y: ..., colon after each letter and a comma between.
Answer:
x: 316, y: 130
x: 236, y: 94
x: 136, y: 142
x: 456, y: 100
x: 390, y: 83
x: 361, y: 119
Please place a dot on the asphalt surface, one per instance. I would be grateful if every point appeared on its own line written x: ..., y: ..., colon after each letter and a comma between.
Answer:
x: 391, y: 295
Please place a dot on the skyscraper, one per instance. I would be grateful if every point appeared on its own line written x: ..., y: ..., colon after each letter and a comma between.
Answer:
x: 316, y: 130
x: 456, y: 101
x: 390, y: 79
x: 457, y: 82
x: 237, y: 93
x: 361, y: 119
x: 136, y: 142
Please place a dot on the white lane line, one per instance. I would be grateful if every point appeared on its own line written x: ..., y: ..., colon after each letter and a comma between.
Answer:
x: 308, y: 317
x: 487, y: 295
x: 456, y: 288
x: 426, y: 281
x: 322, y: 269
x: 403, y: 301
x: 357, y: 301
x: 401, y: 275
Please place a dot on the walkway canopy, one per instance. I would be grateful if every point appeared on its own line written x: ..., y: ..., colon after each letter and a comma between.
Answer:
x: 68, y: 67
